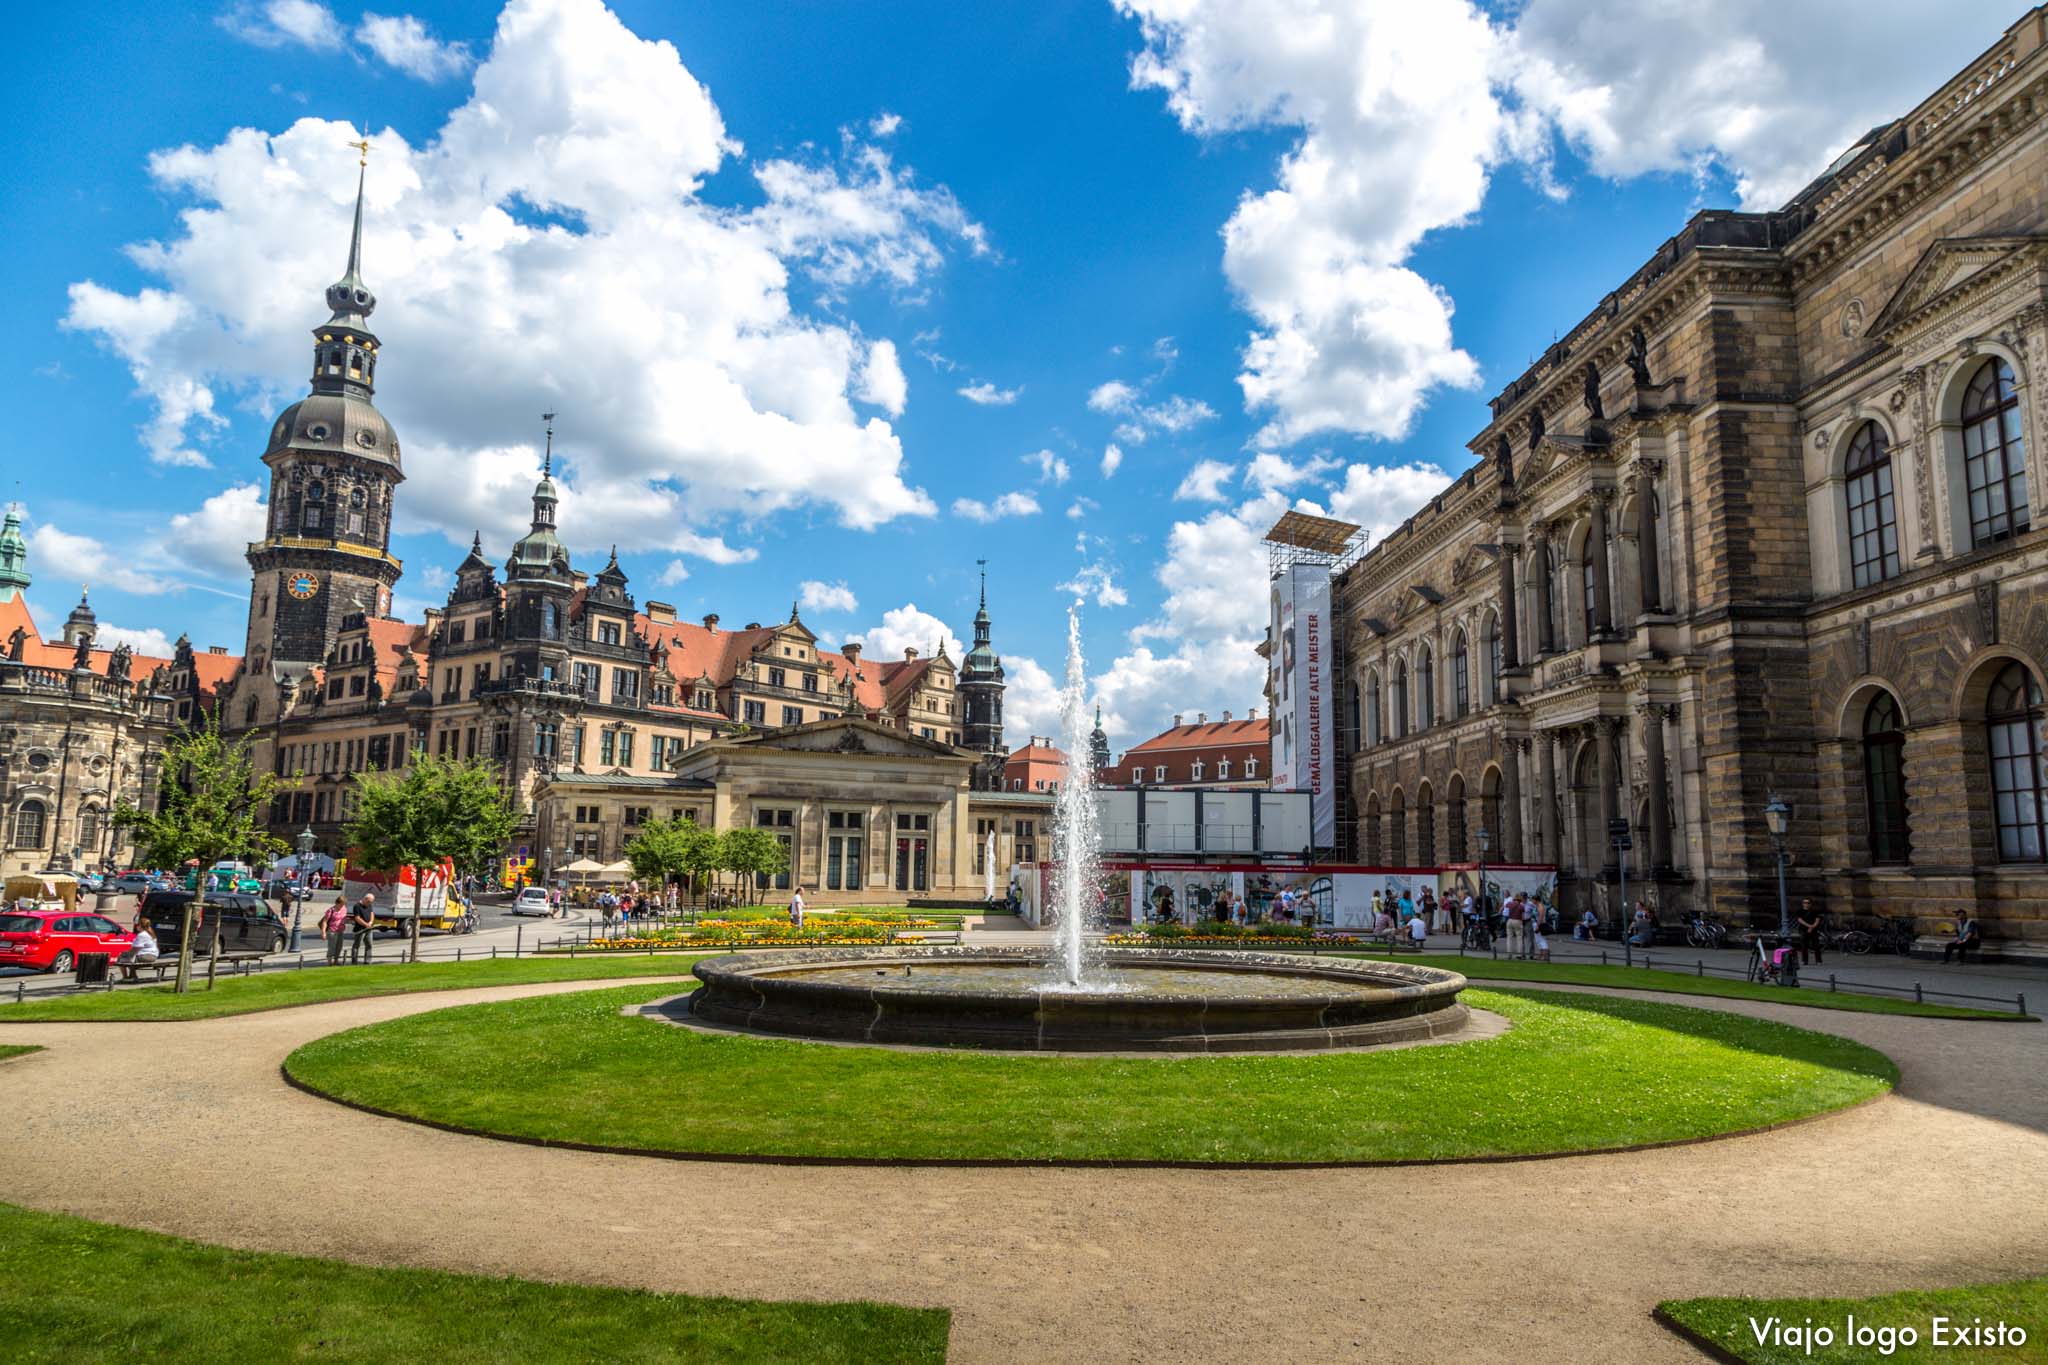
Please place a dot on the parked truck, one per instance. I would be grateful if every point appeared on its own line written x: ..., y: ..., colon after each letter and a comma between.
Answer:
x: 392, y: 898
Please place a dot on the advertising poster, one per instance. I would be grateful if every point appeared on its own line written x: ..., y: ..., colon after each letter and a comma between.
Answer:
x: 1501, y: 882
x: 1303, y: 745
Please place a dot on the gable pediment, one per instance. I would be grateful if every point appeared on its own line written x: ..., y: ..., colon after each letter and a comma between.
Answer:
x: 847, y: 735
x: 1952, y: 270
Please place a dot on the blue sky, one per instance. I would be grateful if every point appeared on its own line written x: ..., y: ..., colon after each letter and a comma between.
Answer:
x: 754, y: 254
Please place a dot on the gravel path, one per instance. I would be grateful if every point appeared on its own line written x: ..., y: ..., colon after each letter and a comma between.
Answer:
x: 171, y: 1127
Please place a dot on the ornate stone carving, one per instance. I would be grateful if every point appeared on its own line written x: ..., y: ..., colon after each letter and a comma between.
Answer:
x: 1863, y: 646
x: 1852, y: 318
x: 1985, y: 598
x: 1923, y: 437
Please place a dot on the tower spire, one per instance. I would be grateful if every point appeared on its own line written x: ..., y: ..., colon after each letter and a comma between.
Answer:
x: 547, y: 461
x: 348, y: 297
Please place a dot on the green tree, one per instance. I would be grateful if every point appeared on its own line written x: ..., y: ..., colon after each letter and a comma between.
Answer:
x: 432, y: 810
x: 665, y: 850
x: 752, y: 853
x: 212, y: 805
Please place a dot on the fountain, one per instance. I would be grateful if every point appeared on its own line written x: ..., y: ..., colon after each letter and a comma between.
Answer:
x: 1080, y: 997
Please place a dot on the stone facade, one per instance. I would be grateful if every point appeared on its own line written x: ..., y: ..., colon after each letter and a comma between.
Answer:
x: 870, y: 814
x: 1781, y: 473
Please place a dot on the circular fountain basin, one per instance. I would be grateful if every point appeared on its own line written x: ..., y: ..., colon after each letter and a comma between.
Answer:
x: 1137, y: 1000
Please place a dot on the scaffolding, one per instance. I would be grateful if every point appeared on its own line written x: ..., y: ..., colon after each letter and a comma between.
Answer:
x: 1296, y: 539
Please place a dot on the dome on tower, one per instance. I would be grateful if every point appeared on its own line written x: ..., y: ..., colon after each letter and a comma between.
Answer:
x: 344, y: 423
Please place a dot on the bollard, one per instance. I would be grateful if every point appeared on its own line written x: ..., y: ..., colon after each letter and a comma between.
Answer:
x: 458, y: 952
x: 494, y: 952
x: 17, y: 992
x: 1702, y: 968
x: 1918, y: 998
x: 2022, y: 1003
x: 517, y: 932
x: 1831, y: 983
x: 1603, y: 957
x: 302, y: 961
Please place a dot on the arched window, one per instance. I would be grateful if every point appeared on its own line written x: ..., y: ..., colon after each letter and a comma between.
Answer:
x: 1461, y: 676
x: 1994, y: 458
x: 1588, y: 572
x: 1425, y: 827
x: 1873, y: 520
x: 1397, y: 830
x: 1425, y: 691
x: 1454, y: 820
x: 1552, y: 569
x: 1884, y: 780
x: 1400, y: 699
x: 1373, y: 842
x: 1372, y: 708
x: 89, y: 829
x: 28, y: 824
x: 2013, y: 721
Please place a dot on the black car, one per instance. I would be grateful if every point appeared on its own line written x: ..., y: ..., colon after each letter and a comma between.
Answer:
x: 247, y: 923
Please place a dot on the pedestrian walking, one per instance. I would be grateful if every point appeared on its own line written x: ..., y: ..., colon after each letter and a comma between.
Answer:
x: 1518, y: 927
x: 334, y: 928
x: 364, y: 922
x: 796, y: 908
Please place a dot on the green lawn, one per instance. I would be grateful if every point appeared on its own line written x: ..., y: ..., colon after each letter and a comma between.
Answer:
x: 73, y: 1290
x: 1647, y: 979
x: 1726, y: 1324
x: 1576, y: 1072
x: 7, y: 1051
x: 316, y: 985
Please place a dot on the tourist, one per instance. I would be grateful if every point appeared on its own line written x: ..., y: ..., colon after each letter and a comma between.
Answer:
x: 1968, y: 936
x: 1539, y: 949
x: 364, y: 921
x: 1809, y: 931
x: 1642, y: 930
x: 1517, y: 926
x: 1378, y: 905
x: 334, y: 928
x: 1588, y: 926
x: 1418, y: 931
x: 1464, y: 915
x: 1406, y: 909
x: 796, y: 908
x: 1425, y: 908
x: 140, y: 953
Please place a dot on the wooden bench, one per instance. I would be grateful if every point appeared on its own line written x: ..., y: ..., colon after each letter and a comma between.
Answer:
x: 169, y: 963
x: 927, y: 937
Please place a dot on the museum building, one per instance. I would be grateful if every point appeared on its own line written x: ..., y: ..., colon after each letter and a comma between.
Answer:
x: 1759, y: 527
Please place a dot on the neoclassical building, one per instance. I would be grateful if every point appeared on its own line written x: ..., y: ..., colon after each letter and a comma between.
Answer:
x: 1760, y: 525
x: 548, y: 672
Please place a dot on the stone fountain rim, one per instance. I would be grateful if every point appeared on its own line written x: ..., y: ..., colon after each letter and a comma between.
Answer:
x: 1401, y: 979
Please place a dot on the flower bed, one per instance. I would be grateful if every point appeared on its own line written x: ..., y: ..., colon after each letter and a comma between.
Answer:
x: 764, y: 934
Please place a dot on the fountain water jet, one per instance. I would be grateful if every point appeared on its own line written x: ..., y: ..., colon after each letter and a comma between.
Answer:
x: 1076, y: 835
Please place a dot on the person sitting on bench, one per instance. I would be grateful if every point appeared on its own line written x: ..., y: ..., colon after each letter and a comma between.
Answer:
x: 140, y: 954
x: 1968, y: 936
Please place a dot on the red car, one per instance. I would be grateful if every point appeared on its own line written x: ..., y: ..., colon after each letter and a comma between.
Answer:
x: 51, y: 940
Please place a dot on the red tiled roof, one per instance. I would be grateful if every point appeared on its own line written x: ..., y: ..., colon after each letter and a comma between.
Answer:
x: 1206, y: 736
x: 212, y: 670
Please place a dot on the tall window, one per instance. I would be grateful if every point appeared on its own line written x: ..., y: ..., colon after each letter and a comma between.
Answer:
x: 843, y: 850
x: 1884, y: 781
x: 1397, y: 830
x: 1994, y: 459
x: 1589, y: 570
x: 1461, y: 676
x: 1425, y: 691
x: 2013, y: 722
x: 28, y: 825
x: 1873, y: 523
x: 1551, y: 572
x: 1425, y: 828
x: 89, y: 829
x: 1372, y: 708
x: 1401, y: 699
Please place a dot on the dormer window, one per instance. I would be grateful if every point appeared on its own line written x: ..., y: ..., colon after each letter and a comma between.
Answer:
x: 1222, y: 770
x: 1251, y: 767
x: 608, y: 633
x: 315, y: 491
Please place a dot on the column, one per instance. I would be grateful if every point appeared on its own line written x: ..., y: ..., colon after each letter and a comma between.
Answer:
x: 1646, y: 541
x: 1607, y: 753
x: 1597, y: 552
x: 1654, y: 716
x: 1546, y: 810
x: 1510, y: 831
x: 1510, y: 637
x: 1539, y: 559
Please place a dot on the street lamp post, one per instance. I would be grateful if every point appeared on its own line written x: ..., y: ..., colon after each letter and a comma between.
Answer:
x: 1778, y: 818
x: 305, y: 842
x: 1485, y: 843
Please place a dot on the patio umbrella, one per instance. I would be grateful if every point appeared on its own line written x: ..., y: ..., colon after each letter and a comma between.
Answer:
x: 583, y: 867
x: 619, y: 869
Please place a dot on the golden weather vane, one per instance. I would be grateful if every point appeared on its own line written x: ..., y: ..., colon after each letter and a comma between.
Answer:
x: 362, y: 150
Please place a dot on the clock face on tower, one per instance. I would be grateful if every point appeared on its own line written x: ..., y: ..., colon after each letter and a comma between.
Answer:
x: 302, y: 585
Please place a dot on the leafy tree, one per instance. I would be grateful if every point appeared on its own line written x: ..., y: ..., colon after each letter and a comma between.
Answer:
x: 752, y: 853
x: 434, y: 809
x: 212, y: 805
x: 665, y: 850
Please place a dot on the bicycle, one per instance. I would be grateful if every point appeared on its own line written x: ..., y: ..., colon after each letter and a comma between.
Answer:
x: 1478, y: 934
x: 1702, y: 932
x: 1767, y: 968
x: 1852, y: 940
x: 1896, y: 935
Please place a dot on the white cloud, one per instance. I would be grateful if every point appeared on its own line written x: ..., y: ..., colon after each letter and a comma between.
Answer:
x: 885, y: 124
x: 278, y: 23
x: 813, y: 595
x: 676, y: 572
x: 1380, y: 499
x: 1269, y: 472
x: 881, y: 379
x: 214, y: 539
x: 148, y: 640
x: 987, y: 395
x: 1405, y: 111
x: 1031, y: 699
x: 906, y: 627
x: 1081, y: 507
x: 1017, y: 504
x: 1112, y: 459
x: 58, y: 554
x: 407, y: 44
x: 1204, y: 483
x: 1051, y: 468
x: 1097, y: 581
x: 1111, y: 396
x: 548, y: 240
